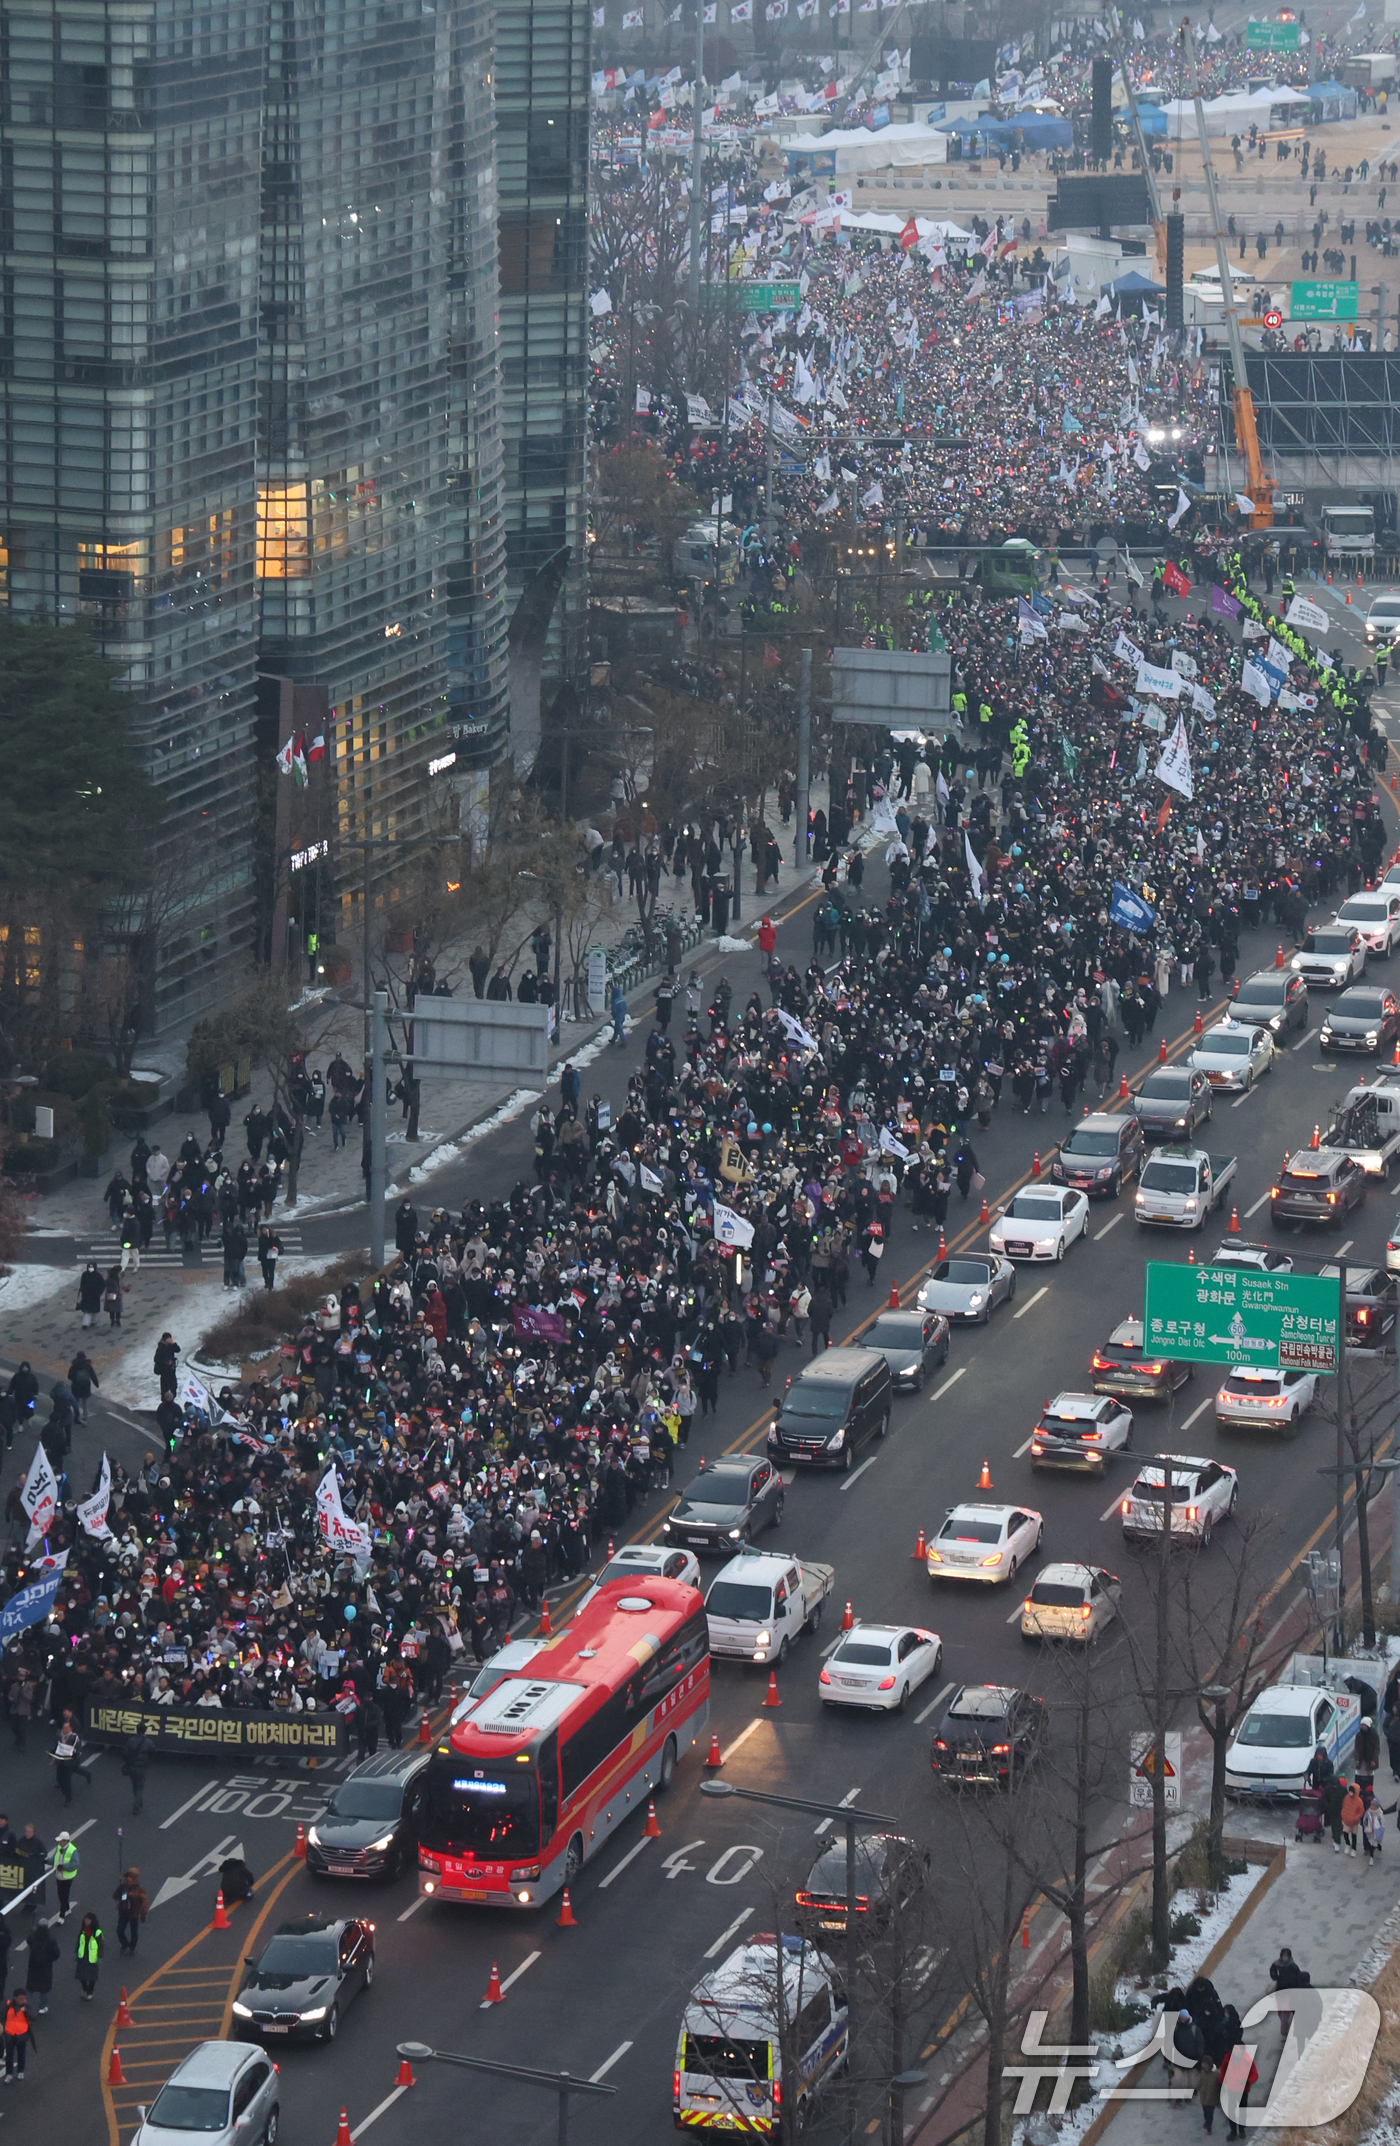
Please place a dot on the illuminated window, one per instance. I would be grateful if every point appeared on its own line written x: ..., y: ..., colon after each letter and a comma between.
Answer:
x: 284, y: 540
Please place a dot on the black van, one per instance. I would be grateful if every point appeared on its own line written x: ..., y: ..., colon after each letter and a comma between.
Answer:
x: 841, y: 1401
x: 369, y: 1829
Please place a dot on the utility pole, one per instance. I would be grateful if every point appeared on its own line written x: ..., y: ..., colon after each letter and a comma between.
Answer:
x: 804, y: 755
x: 377, y: 1072
x: 697, y: 182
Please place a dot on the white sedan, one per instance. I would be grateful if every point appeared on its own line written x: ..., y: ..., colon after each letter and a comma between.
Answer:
x: 648, y: 1560
x: 1234, y: 1054
x: 1270, y: 1400
x: 1040, y: 1224
x: 1070, y: 1602
x: 879, y: 1665
x: 989, y: 1543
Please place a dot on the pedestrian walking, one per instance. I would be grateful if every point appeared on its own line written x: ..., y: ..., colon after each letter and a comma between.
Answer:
x: 43, y: 1957
x: 64, y: 1863
x: 136, y: 1760
x: 66, y: 1758
x: 132, y: 1907
x: 1353, y: 1811
x: 1286, y: 1974
x: 1333, y: 1797
x: 1208, y: 2091
x: 19, y: 2035
x: 1372, y: 1832
x: 91, y: 1289
x: 89, y: 1952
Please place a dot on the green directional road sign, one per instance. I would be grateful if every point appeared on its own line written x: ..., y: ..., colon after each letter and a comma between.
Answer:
x: 1273, y: 37
x: 754, y: 297
x: 1241, y: 1315
x: 1325, y: 301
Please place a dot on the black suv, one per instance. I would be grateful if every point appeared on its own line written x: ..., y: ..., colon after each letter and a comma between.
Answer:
x: 840, y: 1402
x: 891, y: 1872
x: 988, y: 1730
x: 1371, y: 1305
x: 1100, y: 1155
x: 1319, y: 1185
x: 1172, y: 1102
x: 369, y: 1829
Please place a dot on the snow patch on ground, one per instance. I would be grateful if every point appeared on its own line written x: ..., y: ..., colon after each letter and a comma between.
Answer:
x: 131, y: 1383
x: 28, y: 1285
x: 728, y: 945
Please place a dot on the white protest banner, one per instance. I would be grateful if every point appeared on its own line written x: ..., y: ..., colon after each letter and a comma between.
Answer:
x: 1201, y: 701
x: 1128, y: 652
x: 93, y: 1511
x: 340, y: 1533
x: 1174, y: 767
x: 1258, y: 683
x: 650, y: 1181
x: 1185, y: 666
x: 1278, y: 658
x: 1152, y: 679
x: 39, y: 1497
x: 1303, y: 612
x: 731, y: 1228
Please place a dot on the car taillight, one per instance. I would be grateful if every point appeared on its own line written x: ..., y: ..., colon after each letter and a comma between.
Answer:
x: 1026, y: 1604
x: 1154, y: 1371
x: 994, y: 1559
x: 1124, y: 1506
x: 1086, y: 1609
x: 1273, y: 1192
x: 676, y: 2087
x: 1092, y: 1437
x: 1099, y: 1363
x: 862, y: 1900
x: 804, y: 1900
x: 938, y: 1744
x: 1035, y: 1448
x: 1362, y: 1316
x: 935, y: 1557
x: 887, y: 1683
x: 777, y: 2093
x: 825, y: 1677
x: 1190, y: 1512
x: 999, y: 1751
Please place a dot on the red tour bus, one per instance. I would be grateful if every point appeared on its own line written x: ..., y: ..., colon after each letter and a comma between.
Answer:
x: 541, y: 1773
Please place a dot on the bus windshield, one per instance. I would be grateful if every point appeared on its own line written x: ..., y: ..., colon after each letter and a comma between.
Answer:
x: 466, y: 1812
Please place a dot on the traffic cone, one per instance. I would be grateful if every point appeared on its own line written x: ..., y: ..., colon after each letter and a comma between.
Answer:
x: 1123, y: 1089
x: 920, y: 1549
x: 566, y: 1918
x: 1026, y: 1931
x: 894, y: 1296
x: 1234, y: 1221
x: 425, y: 1734
x: 986, y: 1214
x: 1035, y: 1163
x: 943, y: 1242
x: 1085, y: 1112
x: 342, y: 2136
x: 714, y: 1758
x: 847, y: 1619
x: 770, y: 1697
x: 1235, y: 988
x: 546, y: 1628
x: 984, y: 1480
x: 1278, y: 958
x: 298, y: 1850
x: 610, y: 1547
x: 405, y: 2077
x: 1316, y: 1140
x: 1395, y: 1061
x: 1348, y: 595
x: 651, y: 1830
x: 220, y: 1918
x: 115, y: 2075
x: 1162, y: 1052
x: 1191, y: 1257
x: 493, y: 1992
x: 1198, y: 1020
x: 123, y: 2018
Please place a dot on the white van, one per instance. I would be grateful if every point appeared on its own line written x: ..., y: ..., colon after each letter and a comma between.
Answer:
x: 729, y: 2073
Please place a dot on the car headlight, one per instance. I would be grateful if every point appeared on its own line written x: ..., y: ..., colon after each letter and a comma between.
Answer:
x: 764, y: 1639
x: 1191, y: 1204
x: 1180, y: 1123
x: 665, y: 1527
x: 1106, y: 1171
x: 834, y: 1445
x: 380, y: 1846
x: 1373, y: 1035
x: 313, y: 1839
x: 772, y: 1434
x: 735, y: 1534
x: 242, y: 2011
x: 319, y: 2013
x: 975, y: 1299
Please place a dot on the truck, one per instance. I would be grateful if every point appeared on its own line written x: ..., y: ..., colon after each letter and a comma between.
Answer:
x: 1347, y: 531
x: 1367, y: 1125
x: 760, y: 1602
x: 1179, y: 1187
x: 1369, y: 70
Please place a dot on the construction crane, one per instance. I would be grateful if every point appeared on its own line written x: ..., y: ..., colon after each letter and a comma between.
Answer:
x: 1261, y: 484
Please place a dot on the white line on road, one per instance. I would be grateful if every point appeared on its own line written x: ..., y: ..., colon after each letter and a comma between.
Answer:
x: 1043, y: 1291
x: 167, y: 1823
x: 723, y: 1939
x: 1262, y: 1201
x: 375, y: 2114
x: 938, y: 1396
x: 1305, y: 1039
x: 856, y: 1473
x: 933, y: 1704
x: 1207, y: 1403
x: 1024, y: 1447
x: 1015, y: 1616
x: 742, y: 1738
x: 1247, y: 1097
x: 527, y: 1963
x: 618, y: 1868
x: 1098, y: 1233
x: 413, y: 1907
x: 827, y: 1823
x: 608, y: 2062
x: 1343, y: 1249
x: 1106, y: 1516
x: 832, y: 1645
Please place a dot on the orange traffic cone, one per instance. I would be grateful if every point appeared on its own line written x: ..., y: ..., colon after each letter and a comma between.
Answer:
x: 342, y: 2136
x: 1162, y: 1052
x: 566, y: 1918
x: 1395, y: 1061
x: 220, y: 1918
x: 425, y: 1734
x: 1198, y: 1020
x: 1123, y: 1089
x: 894, y: 1296
x: 1035, y: 1163
x: 1085, y: 1111
x: 651, y: 1830
x: 770, y: 1697
x: 1191, y: 1257
x: 1278, y: 957
x: 546, y: 1628
x: 943, y: 1242
x: 920, y: 1549
x: 1234, y: 1220
x: 493, y: 1987
x: 1316, y: 1140
x: 115, y: 2075
x: 1348, y: 595
x: 986, y: 1214
x: 123, y: 2018
x: 984, y: 1480
x: 610, y: 1547
x: 714, y: 1759
x: 405, y: 2077
x: 299, y: 1845
x: 847, y: 1619
x: 1026, y: 1931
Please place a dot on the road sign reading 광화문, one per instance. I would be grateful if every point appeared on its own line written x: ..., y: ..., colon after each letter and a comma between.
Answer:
x: 1241, y: 1316
x: 1325, y: 301
x: 754, y: 297
x: 1273, y: 36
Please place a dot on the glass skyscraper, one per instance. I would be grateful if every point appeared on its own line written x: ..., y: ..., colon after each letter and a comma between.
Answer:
x: 248, y: 389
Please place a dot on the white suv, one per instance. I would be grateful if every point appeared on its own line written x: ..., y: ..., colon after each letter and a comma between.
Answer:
x: 224, y: 2091
x: 1203, y: 1492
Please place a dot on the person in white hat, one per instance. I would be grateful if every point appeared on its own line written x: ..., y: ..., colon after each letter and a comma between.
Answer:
x: 65, y: 1869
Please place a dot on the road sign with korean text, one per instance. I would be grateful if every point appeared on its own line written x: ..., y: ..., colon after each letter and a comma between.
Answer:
x: 1241, y: 1316
x: 1273, y: 36
x: 1325, y: 301
x: 1142, y: 1768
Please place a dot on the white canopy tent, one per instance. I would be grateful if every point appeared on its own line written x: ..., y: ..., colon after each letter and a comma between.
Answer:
x: 1234, y: 114
x: 861, y: 149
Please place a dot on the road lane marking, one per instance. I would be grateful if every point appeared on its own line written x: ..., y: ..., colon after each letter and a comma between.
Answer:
x: 856, y: 1473
x: 938, y: 1396
x: 167, y: 1823
x: 1207, y: 1403
x: 1098, y: 1233
x: 1024, y: 1447
x: 375, y: 2114
x: 413, y: 1907
x: 1343, y: 1249
x: 608, y: 2062
x: 527, y: 1963
x: 1304, y: 1039
x: 723, y: 1939
x: 1015, y: 1616
x: 1262, y: 1201
x: 827, y: 1823
x: 1043, y: 1291
x: 618, y: 1868
x: 742, y: 1738
x: 1103, y: 1517
x: 1247, y: 1097
x: 933, y: 1705
x: 832, y: 1645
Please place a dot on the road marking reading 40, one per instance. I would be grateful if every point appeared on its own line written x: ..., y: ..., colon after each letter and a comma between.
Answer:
x: 675, y: 1862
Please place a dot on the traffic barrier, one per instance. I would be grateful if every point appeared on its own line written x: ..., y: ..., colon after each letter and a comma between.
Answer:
x: 894, y: 1296
x: 651, y: 1829
x: 1035, y: 1164
x: 1198, y: 1020
x: 770, y: 1697
x: 847, y: 1619
x: 986, y: 1214
x: 1348, y: 595
x: 342, y: 2136
x: 298, y: 1850
x: 220, y: 1918
x: 1234, y: 1221
x: 920, y: 1549
x: 425, y: 1734
x: 405, y: 2077
x: 123, y: 2018
x: 546, y: 1630
x: 1316, y: 1140
x: 115, y: 2075
x: 1162, y: 1052
x: 715, y: 1758
x: 984, y: 1480
x: 493, y: 1989
x: 566, y: 1918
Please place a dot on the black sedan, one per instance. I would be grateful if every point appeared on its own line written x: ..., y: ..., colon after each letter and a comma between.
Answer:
x: 913, y: 1343
x: 727, y: 1505
x: 1172, y: 1102
x: 302, y: 1983
x: 988, y: 1730
x: 891, y: 1872
x: 1366, y: 1018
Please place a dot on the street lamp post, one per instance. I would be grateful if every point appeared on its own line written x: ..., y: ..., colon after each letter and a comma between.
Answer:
x: 562, y: 2083
x: 839, y: 1814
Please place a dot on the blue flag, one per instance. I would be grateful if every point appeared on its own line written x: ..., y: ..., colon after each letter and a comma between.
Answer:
x: 1130, y: 910
x: 29, y: 1605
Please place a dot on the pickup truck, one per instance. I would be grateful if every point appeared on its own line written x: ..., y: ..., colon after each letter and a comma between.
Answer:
x: 760, y: 1602
x: 1179, y: 1187
x: 1367, y: 1126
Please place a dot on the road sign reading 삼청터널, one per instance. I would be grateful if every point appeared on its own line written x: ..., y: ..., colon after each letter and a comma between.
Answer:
x: 1273, y: 36
x: 1325, y: 301
x: 740, y: 297
x: 1241, y: 1316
